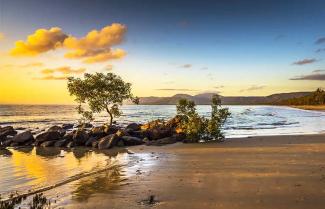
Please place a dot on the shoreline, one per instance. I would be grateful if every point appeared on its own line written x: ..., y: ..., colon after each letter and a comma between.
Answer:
x: 286, y: 171
x: 310, y: 107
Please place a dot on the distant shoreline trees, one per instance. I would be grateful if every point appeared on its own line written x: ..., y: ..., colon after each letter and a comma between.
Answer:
x: 315, y: 98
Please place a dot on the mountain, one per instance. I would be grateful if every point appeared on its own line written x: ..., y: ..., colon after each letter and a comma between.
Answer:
x: 205, y: 98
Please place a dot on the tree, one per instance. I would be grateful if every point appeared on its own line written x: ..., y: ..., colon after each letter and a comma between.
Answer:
x: 197, y: 127
x: 100, y: 92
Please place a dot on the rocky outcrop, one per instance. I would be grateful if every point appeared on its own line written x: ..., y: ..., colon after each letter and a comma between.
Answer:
x: 23, y: 138
x: 108, y: 142
x: 7, y: 131
x: 47, y: 136
x: 163, y: 141
x: 133, y: 127
x: 59, y: 129
x: 80, y: 137
x: 131, y: 141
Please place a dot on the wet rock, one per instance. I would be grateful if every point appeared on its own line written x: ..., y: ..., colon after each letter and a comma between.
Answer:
x: 23, y: 137
x: 67, y: 126
x: 131, y: 141
x: 14, y: 144
x: 94, y: 144
x: 108, y: 142
x: 120, y: 143
x: 99, y: 131
x: 86, y: 125
x: 7, y: 131
x: 70, y: 144
x: 48, y: 144
x: 80, y: 137
x: 90, y: 141
x: 158, y: 133
x: 5, y: 152
x: 163, y: 141
x: 48, y: 136
x: 59, y: 129
x: 6, y: 143
x: 61, y: 143
x: 179, y: 136
x: 133, y: 127
x: 138, y: 134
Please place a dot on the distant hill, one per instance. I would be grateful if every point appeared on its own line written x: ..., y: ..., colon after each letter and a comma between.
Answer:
x: 205, y: 98
x: 314, y: 98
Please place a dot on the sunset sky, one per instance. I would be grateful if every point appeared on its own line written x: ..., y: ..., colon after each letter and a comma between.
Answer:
x: 251, y: 47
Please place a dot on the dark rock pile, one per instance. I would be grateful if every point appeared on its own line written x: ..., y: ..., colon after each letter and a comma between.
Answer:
x: 101, y: 137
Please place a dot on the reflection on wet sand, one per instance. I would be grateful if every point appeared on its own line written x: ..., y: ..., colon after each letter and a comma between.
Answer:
x: 104, y: 182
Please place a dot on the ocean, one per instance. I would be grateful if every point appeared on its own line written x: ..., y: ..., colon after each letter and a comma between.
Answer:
x: 244, y: 120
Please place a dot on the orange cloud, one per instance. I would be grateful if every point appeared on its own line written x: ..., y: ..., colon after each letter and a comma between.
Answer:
x: 96, y: 46
x: 52, y: 77
x: 64, y: 70
x: 40, y: 41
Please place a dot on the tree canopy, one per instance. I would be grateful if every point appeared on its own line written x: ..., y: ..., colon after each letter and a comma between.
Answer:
x: 100, y: 92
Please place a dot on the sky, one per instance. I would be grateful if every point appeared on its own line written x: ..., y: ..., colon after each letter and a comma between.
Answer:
x: 162, y: 47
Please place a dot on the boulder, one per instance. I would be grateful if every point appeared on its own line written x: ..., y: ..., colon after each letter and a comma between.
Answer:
x: 90, y: 141
x: 86, y: 125
x: 108, y: 142
x: 23, y: 137
x: 122, y: 132
x: 163, y: 141
x: 48, y: 144
x: 100, y: 131
x: 48, y: 136
x: 6, y: 143
x: 80, y: 137
x: 67, y: 126
x: 131, y: 141
x: 59, y: 129
x: 133, y: 127
x: 138, y: 134
x: 95, y: 144
x: 120, y: 143
x: 61, y: 143
x: 70, y: 144
x: 7, y: 131
x: 158, y: 133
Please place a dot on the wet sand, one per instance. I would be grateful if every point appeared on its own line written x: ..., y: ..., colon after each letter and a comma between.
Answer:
x: 259, y: 172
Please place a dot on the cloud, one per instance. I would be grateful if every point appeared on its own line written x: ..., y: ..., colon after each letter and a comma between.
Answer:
x: 320, y: 50
x: 27, y: 65
x: 40, y: 41
x: 219, y: 87
x: 52, y: 77
x: 109, y: 67
x: 253, y: 88
x: 320, y: 40
x: 96, y: 46
x: 318, y: 71
x: 204, y: 68
x: 311, y: 77
x: 186, y: 66
x: 176, y: 89
x: 304, y: 61
x: 60, y: 73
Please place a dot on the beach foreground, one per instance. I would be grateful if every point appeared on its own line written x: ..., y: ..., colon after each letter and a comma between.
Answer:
x: 259, y: 172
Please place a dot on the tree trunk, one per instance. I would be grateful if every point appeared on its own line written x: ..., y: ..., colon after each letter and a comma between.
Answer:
x: 110, y: 115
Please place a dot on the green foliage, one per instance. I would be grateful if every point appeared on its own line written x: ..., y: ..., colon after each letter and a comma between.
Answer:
x: 315, y: 98
x: 197, y: 127
x: 100, y: 92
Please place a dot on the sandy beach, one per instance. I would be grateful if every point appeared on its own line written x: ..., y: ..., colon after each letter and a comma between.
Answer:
x: 259, y: 172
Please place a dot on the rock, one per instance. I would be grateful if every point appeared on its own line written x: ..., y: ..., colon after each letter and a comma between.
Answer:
x: 6, y: 143
x: 163, y: 141
x: 131, y: 141
x: 179, y: 136
x: 133, y: 127
x: 5, y: 152
x: 95, y: 144
x: 14, y: 144
x: 48, y: 136
x: 67, y: 126
x: 70, y: 144
x: 86, y: 125
x: 120, y: 143
x: 138, y: 134
x: 122, y: 132
x: 59, y: 129
x: 90, y: 141
x: 69, y: 136
x: 100, y: 131
x: 23, y: 137
x: 80, y: 137
x: 48, y: 144
x: 61, y: 143
x: 158, y: 133
x: 7, y: 131
x: 108, y: 142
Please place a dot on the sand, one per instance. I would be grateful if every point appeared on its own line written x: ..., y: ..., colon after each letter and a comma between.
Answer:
x: 311, y: 107
x: 279, y: 172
